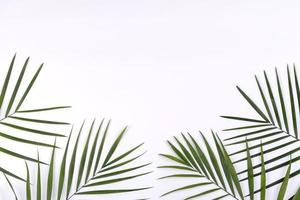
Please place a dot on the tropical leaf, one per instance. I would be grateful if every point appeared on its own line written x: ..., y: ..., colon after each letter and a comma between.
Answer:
x: 277, y: 123
x: 86, y: 170
x: 210, y: 168
x: 213, y: 172
x: 263, y: 186
x: 17, y: 125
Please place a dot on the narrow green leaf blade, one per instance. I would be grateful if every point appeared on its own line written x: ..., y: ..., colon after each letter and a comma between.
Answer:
x: 297, y: 91
x: 11, y: 174
x: 203, y: 158
x: 196, y: 156
x: 12, y: 153
x: 44, y: 109
x: 92, y: 153
x: 38, y: 121
x: 267, y: 151
x: 181, y: 176
x: 5, y: 85
x: 99, y: 152
x: 187, y: 155
x: 14, y: 94
x: 119, y: 172
x: 179, y: 154
x: 72, y: 162
x: 264, y: 100
x: 187, y: 187
x: 116, y: 180
x: 224, y: 165
x: 284, y: 184
x: 282, y: 103
x: 203, y: 193
x: 38, y: 185
x: 214, y: 161
x: 293, y: 108
x: 28, y: 88
x: 124, y: 155
x: 11, y: 187
x: 120, y: 164
x: 247, y: 127
x: 17, y: 139
x: 40, y: 132
x: 254, y: 106
x: 62, y: 170
x: 281, y: 138
x: 176, y: 167
x: 28, y: 190
x: 50, y: 175
x: 251, y: 133
x: 84, y: 157
x: 263, y: 175
x: 250, y: 173
x: 114, y: 147
x: 175, y: 159
x: 272, y: 99
x: 231, y: 170
x: 115, y: 191
x: 243, y: 119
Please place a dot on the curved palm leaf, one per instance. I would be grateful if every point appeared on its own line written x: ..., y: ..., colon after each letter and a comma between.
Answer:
x: 263, y: 186
x: 207, y: 169
x: 191, y: 162
x: 14, y: 121
x: 87, y: 170
x: 277, y: 123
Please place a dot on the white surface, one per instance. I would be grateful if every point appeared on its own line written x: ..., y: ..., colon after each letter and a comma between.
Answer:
x: 161, y: 67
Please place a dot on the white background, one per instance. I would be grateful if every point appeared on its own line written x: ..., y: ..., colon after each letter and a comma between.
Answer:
x: 161, y: 67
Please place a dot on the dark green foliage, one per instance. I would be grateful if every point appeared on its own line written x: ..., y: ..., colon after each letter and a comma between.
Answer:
x: 88, y: 169
x: 16, y: 120
x: 276, y: 125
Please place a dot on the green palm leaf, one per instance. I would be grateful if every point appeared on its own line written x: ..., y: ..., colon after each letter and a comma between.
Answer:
x: 28, y: 191
x: 213, y: 169
x: 16, y: 121
x: 262, y: 176
x: 250, y: 173
x: 284, y: 184
x: 11, y: 186
x: 185, y: 159
x: 82, y: 161
x: 277, y: 123
x: 263, y: 185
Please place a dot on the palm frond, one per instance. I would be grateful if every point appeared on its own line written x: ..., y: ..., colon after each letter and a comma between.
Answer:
x: 277, y: 123
x: 205, y: 168
x: 88, y: 170
x: 188, y: 158
x: 14, y: 121
x: 263, y: 186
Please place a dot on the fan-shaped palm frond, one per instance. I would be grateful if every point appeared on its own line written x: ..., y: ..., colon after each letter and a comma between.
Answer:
x: 217, y: 171
x: 277, y: 123
x: 213, y: 170
x: 87, y: 168
x: 15, y: 122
